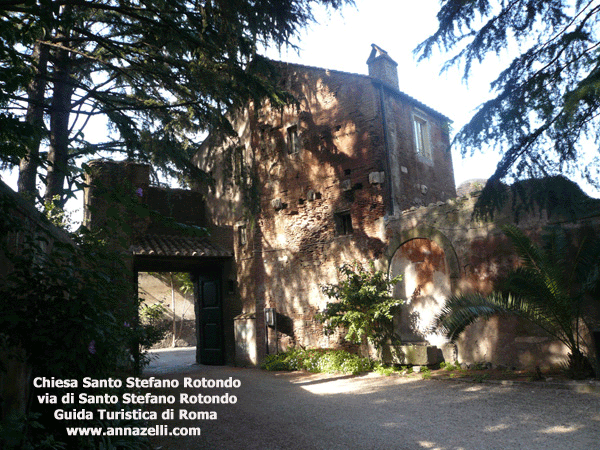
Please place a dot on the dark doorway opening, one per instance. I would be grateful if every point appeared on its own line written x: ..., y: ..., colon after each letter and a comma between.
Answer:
x: 206, y: 276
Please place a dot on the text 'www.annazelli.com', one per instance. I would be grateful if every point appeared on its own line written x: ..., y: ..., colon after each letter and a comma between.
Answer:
x: 158, y: 430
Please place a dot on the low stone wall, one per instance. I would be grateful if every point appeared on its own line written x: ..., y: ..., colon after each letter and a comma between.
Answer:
x: 186, y: 335
x: 442, y: 249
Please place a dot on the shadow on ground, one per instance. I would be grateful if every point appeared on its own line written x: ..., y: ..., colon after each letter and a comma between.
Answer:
x: 290, y: 411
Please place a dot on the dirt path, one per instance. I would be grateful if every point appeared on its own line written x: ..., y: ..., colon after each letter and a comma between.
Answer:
x: 315, y: 411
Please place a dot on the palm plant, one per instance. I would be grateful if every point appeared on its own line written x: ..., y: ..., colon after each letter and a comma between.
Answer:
x: 552, y: 289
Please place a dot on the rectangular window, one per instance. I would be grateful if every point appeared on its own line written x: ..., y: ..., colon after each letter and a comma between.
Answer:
x: 242, y: 236
x: 422, y: 139
x: 265, y: 137
x: 343, y: 223
x: 293, y: 143
x: 238, y: 165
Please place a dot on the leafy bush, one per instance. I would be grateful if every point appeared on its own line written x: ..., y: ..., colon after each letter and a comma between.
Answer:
x: 363, y: 305
x: 67, y: 295
x: 448, y: 366
x: 26, y: 432
x: 387, y: 370
x: 71, y: 312
x: 152, y: 317
x: 317, y: 360
x: 344, y: 362
x: 294, y: 359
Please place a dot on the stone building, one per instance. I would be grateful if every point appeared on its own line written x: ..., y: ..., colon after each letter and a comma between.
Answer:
x: 305, y: 188
x: 355, y: 170
x: 443, y: 249
x: 162, y: 230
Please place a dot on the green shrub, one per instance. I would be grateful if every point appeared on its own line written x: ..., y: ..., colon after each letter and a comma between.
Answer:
x: 317, y: 361
x: 343, y: 362
x: 406, y: 369
x: 26, y: 432
x: 154, y: 326
x: 550, y: 289
x: 450, y: 366
x: 362, y: 305
x: 386, y: 370
x: 72, y: 313
x: 481, y: 378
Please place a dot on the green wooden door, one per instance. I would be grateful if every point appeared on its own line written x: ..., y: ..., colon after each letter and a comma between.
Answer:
x: 209, y: 320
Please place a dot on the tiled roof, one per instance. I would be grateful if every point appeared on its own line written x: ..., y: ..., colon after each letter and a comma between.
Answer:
x: 184, y: 246
x: 394, y: 90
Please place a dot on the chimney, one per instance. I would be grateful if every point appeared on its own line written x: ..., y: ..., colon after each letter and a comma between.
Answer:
x: 383, y: 68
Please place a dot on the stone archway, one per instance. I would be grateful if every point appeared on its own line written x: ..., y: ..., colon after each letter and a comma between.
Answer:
x: 428, y: 264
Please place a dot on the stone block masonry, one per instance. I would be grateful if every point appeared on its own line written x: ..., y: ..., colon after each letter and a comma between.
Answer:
x: 442, y: 249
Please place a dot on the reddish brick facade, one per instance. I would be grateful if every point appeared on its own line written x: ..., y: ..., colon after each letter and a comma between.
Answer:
x: 308, y: 188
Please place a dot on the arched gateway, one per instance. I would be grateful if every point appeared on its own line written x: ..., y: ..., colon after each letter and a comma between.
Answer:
x: 159, y: 230
x: 427, y: 262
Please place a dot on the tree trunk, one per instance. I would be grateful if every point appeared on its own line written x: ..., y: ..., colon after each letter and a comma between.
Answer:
x: 58, y: 154
x: 173, y: 307
x: 28, y: 166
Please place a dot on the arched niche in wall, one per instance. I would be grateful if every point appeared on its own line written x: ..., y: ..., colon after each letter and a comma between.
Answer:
x: 429, y: 267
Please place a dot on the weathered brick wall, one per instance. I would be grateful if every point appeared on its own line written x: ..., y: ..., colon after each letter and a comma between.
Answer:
x: 293, y: 242
x: 111, y: 187
x: 417, y: 180
x: 152, y: 210
x: 181, y: 205
x: 301, y: 244
x: 291, y: 203
x: 125, y: 185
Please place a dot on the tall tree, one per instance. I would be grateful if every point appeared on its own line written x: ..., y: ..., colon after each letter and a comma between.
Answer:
x: 160, y: 71
x: 544, y: 118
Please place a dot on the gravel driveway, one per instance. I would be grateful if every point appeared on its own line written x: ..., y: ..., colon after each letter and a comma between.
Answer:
x: 315, y: 411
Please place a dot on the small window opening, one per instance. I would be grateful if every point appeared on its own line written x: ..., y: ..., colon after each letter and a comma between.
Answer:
x: 242, y: 236
x: 343, y: 223
x: 238, y: 166
x: 231, y: 287
x: 293, y: 140
x: 264, y: 133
